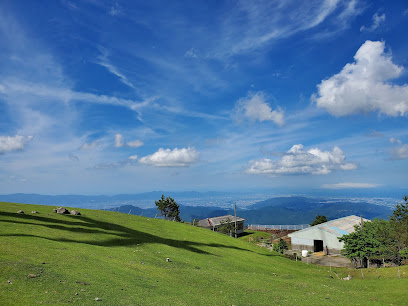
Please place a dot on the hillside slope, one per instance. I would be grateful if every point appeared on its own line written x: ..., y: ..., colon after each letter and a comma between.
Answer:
x: 121, y: 259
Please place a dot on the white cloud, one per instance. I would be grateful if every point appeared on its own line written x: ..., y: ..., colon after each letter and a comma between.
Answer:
x: 133, y: 157
x: 91, y: 146
x: 400, y: 151
x: 191, y: 53
x: 171, y: 158
x: 135, y: 143
x: 254, y: 107
x: 16, y: 143
x: 377, y: 20
x: 299, y: 161
x: 349, y: 185
x: 393, y: 140
x: 104, y: 61
x: 120, y: 142
x: 252, y: 25
x: 363, y: 86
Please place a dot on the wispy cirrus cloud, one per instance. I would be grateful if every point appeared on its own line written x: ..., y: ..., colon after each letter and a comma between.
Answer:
x: 252, y: 25
x: 103, y: 60
x: 349, y: 185
x: 300, y: 161
x: 377, y: 21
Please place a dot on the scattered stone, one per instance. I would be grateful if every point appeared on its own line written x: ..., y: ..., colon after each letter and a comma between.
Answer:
x: 76, y: 293
x: 331, y: 276
x: 83, y: 290
x: 54, y: 210
x: 82, y: 283
x: 20, y: 212
x: 34, y: 212
x: 32, y: 275
x: 168, y: 259
x: 75, y: 212
x: 9, y: 281
x: 348, y: 277
x: 98, y: 299
x: 62, y: 210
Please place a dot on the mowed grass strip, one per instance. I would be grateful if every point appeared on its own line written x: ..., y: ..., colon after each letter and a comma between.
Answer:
x: 121, y: 259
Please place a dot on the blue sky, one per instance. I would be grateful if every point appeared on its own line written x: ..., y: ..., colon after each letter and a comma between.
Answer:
x: 108, y: 97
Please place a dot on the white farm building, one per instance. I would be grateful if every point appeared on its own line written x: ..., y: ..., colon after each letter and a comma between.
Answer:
x: 324, y: 236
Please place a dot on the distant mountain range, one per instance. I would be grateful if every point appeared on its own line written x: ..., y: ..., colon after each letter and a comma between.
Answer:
x: 276, y: 210
x: 280, y: 210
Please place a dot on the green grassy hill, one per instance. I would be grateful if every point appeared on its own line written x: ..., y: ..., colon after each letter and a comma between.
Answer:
x: 121, y: 259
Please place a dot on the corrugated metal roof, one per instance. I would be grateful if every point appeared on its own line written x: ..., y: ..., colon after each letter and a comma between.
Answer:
x: 215, y: 221
x: 338, y: 227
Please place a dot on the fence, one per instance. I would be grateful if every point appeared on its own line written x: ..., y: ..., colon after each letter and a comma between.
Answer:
x: 278, y: 227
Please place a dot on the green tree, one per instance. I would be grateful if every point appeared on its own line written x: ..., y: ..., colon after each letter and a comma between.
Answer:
x: 399, y: 222
x: 227, y: 227
x: 168, y: 208
x: 318, y: 220
x: 195, y: 222
x: 280, y: 247
x: 370, y: 242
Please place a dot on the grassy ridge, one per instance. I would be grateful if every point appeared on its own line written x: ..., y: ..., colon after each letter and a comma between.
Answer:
x: 122, y: 260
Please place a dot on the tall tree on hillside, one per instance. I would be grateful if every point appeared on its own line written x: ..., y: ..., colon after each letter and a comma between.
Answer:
x: 168, y: 208
x: 318, y: 220
x: 399, y: 222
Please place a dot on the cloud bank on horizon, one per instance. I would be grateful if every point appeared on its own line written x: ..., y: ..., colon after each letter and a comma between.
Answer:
x: 130, y: 98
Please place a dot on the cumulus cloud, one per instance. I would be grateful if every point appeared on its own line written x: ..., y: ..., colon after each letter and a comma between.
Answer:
x: 299, y: 161
x: 120, y: 142
x: 377, y: 20
x: 254, y: 107
x: 171, y: 158
x: 349, y: 185
x: 400, y: 151
x: 16, y: 143
x: 363, y: 86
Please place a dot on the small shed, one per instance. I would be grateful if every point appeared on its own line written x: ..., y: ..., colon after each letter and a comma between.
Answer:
x: 216, y: 222
x: 324, y: 236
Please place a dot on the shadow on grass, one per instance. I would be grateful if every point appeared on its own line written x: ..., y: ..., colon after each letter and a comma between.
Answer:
x: 119, y: 235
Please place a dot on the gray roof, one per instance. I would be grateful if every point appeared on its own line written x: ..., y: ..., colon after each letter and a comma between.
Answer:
x: 216, y: 221
x: 339, y: 227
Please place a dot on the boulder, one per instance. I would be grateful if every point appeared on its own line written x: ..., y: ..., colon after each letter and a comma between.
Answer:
x: 34, y: 212
x: 54, y: 210
x: 62, y: 210
x: 75, y: 212
x: 20, y: 212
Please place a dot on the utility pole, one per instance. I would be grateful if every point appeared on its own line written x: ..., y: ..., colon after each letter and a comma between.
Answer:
x: 235, y: 220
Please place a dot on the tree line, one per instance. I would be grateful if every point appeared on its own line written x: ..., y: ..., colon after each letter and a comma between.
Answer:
x: 379, y: 241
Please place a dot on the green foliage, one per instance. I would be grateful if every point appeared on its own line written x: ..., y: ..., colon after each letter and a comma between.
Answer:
x: 399, y: 221
x: 168, y: 208
x: 280, y: 247
x: 195, y: 222
x: 319, y: 219
x: 379, y: 240
x: 227, y: 227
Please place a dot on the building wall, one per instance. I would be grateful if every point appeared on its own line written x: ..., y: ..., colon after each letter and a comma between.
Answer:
x: 304, y: 240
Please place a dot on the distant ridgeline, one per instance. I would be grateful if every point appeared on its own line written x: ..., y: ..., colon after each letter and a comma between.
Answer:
x: 278, y: 210
x: 281, y: 210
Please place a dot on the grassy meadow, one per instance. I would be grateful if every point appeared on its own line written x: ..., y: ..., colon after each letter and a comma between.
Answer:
x: 47, y: 258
